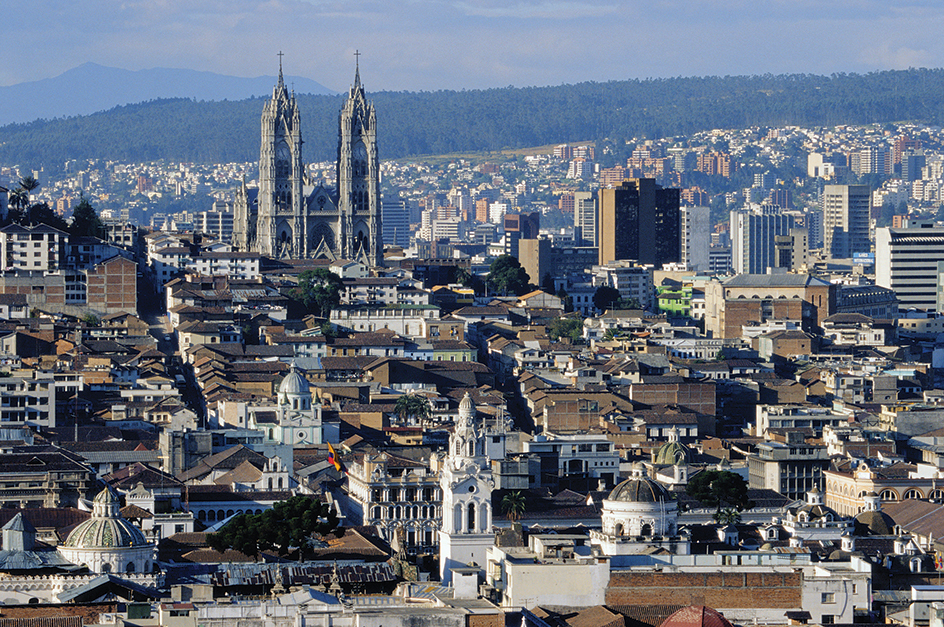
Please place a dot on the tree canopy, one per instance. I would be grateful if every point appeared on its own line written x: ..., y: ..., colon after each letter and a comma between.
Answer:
x: 288, y: 526
x: 569, y: 327
x: 319, y: 291
x: 513, y: 505
x: 85, y: 221
x: 444, y: 122
x: 604, y: 297
x: 413, y: 406
x: 721, y: 489
x: 506, y: 275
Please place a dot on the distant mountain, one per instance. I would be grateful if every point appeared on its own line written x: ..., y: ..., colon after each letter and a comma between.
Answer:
x: 445, y: 122
x: 90, y: 88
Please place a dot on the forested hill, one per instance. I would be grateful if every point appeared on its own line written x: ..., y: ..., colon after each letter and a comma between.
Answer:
x: 426, y: 123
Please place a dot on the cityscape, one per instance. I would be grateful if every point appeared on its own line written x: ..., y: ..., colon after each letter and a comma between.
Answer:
x: 646, y: 382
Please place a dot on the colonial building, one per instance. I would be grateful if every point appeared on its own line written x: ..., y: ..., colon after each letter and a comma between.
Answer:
x: 466, y: 482
x: 290, y: 217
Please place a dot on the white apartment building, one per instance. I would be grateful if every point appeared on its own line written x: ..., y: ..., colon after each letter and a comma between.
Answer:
x: 27, y: 402
x: 633, y: 281
x: 36, y: 248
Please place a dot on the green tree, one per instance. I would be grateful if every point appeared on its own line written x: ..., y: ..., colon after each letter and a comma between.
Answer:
x: 604, y: 297
x: 413, y: 407
x: 506, y: 275
x: 90, y: 320
x: 27, y: 184
x: 288, y: 526
x: 19, y: 198
x: 85, y: 221
x: 728, y: 516
x: 319, y: 291
x: 513, y: 505
x: 569, y: 327
x: 40, y: 213
x: 720, y: 489
x: 628, y: 303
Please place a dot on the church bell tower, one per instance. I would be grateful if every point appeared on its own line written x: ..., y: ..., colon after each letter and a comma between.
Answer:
x: 358, y: 178
x: 280, y: 229
x: 466, y: 482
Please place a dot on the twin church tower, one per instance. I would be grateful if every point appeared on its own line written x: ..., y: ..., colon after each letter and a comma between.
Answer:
x: 288, y: 216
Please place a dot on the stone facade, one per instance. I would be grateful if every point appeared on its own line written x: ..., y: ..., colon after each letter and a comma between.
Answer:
x: 290, y: 217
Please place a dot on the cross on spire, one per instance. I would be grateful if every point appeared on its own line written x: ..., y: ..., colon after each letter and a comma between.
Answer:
x: 357, y: 68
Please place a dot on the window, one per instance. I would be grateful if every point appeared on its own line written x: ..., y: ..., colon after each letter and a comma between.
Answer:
x: 828, y: 597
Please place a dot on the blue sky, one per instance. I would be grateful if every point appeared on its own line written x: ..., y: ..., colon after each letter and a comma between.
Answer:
x: 471, y: 44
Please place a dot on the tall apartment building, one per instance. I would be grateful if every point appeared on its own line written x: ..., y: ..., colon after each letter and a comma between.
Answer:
x: 846, y: 220
x: 793, y: 250
x: 753, y: 240
x: 814, y: 229
x: 585, y: 217
x: 695, y: 237
x: 910, y: 261
x: 639, y: 220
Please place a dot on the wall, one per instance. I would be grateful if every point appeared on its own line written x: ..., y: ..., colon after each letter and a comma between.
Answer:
x: 715, y: 589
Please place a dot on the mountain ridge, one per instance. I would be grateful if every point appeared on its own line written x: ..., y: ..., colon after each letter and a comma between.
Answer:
x: 94, y: 88
x: 413, y: 124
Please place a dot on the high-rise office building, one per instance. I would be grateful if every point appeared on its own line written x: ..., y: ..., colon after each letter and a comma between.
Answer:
x: 911, y: 164
x: 396, y: 222
x: 639, y: 220
x: 585, y: 217
x: 695, y: 237
x: 846, y: 220
x: 908, y: 260
x: 753, y: 240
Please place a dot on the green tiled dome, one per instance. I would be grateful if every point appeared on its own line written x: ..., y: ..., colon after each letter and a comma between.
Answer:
x: 105, y: 533
x: 106, y: 529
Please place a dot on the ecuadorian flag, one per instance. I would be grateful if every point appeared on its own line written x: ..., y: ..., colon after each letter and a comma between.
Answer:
x: 334, y: 461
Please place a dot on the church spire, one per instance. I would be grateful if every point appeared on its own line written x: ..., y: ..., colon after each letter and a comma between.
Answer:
x: 357, y: 69
x: 281, y: 81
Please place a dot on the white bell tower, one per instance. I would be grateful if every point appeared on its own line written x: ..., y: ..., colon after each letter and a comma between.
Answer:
x: 466, y: 481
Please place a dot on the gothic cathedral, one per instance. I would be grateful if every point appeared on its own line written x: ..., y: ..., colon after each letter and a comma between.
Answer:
x: 287, y: 216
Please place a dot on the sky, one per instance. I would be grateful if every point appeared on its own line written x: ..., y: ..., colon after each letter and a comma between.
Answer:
x: 414, y: 45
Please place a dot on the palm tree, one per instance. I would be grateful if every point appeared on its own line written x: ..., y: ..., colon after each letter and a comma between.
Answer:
x: 513, y: 505
x: 27, y: 184
x: 413, y: 406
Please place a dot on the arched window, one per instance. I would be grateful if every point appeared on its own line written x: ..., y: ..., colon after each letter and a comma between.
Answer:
x: 618, y: 530
x: 912, y: 494
x: 646, y: 530
x: 201, y: 515
x: 106, y: 567
x: 889, y: 496
x: 936, y: 495
x: 471, y: 517
x: 129, y: 568
x: 220, y: 514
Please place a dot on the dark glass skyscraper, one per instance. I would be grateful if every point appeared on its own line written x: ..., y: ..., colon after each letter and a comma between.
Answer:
x: 640, y: 220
